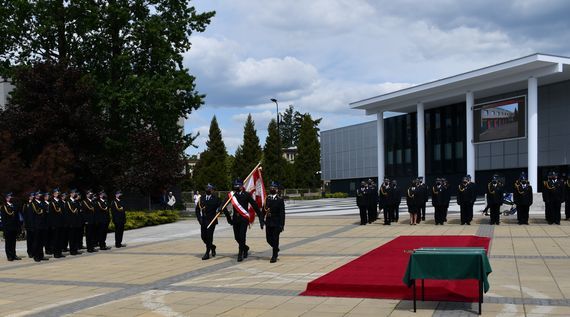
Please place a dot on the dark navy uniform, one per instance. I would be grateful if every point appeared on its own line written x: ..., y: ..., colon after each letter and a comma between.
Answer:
x: 57, y: 225
x: 413, y: 202
x: 372, y: 205
x: 362, y: 203
x: 553, y: 195
x: 438, y: 201
x: 240, y: 223
x: 88, y: 212
x: 495, y: 194
x: 75, y: 224
x: 395, y: 201
x: 522, y: 197
x: 206, y: 211
x: 119, y: 220
x: 423, y: 195
x: 39, y: 220
x: 274, y: 210
x: 567, y: 198
x: 384, y: 201
x: 28, y: 213
x: 11, y: 228
x: 466, y: 196
x: 102, y: 219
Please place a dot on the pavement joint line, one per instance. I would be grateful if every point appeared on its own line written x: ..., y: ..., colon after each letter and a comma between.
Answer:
x: 232, y: 290
x: 66, y: 282
x: 166, y: 282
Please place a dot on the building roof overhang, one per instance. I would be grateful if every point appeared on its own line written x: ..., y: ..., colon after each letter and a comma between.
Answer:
x: 496, y: 79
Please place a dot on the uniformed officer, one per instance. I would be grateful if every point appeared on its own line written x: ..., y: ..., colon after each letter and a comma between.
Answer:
x: 119, y: 219
x: 28, y: 213
x: 56, y: 222
x: 384, y: 201
x: 446, y: 198
x: 466, y: 196
x: 395, y: 200
x: 372, y: 204
x: 10, y: 226
x: 102, y: 220
x: 75, y: 222
x: 274, y: 211
x: 65, y: 228
x: 39, y: 220
x: 437, y: 201
x: 553, y: 195
x: 522, y: 198
x: 495, y: 194
x: 88, y: 212
x: 206, y: 210
x: 362, y: 202
x: 567, y: 198
x: 240, y: 221
x: 413, y: 201
x: 48, y: 231
x: 422, y: 194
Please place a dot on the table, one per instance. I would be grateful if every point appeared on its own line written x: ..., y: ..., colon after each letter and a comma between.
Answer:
x: 448, y: 264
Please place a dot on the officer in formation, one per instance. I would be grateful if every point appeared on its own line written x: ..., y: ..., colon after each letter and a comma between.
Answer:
x: 567, y: 198
x: 55, y: 223
x: 206, y: 210
x: 440, y: 197
x: 413, y: 201
x: 384, y: 197
x: 553, y: 195
x: 395, y: 200
x: 495, y: 193
x: 522, y: 197
x: 362, y: 202
x: 240, y: 219
x: 372, y: 205
x: 422, y: 194
x: 466, y: 196
x: 274, y: 218
x: 11, y: 224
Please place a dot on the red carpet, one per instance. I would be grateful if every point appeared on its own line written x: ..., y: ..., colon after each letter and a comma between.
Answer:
x: 379, y: 273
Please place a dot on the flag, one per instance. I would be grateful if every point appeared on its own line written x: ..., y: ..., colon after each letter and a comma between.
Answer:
x: 253, y: 185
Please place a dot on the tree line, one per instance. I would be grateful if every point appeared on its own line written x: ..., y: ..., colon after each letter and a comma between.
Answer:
x: 217, y: 167
x: 100, y: 87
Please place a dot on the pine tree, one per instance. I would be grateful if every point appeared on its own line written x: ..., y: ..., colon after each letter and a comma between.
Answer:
x: 273, y: 160
x: 249, y: 153
x: 211, y: 167
x: 308, y: 159
x: 286, y: 127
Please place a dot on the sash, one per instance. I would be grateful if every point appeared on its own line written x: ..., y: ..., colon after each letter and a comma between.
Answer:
x: 239, y: 208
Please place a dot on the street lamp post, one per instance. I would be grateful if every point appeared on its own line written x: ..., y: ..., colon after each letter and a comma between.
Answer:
x: 278, y: 131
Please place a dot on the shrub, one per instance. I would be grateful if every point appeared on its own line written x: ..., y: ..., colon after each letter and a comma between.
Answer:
x: 139, y: 219
x: 336, y: 195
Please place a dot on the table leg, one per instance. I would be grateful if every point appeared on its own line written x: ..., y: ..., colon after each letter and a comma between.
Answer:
x: 414, y: 295
x: 480, y: 295
x: 423, y: 291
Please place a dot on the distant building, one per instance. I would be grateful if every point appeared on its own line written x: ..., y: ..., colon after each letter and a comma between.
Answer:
x: 5, y: 89
x: 290, y: 153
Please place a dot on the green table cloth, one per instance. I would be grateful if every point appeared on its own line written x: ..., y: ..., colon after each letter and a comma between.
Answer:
x: 448, y: 264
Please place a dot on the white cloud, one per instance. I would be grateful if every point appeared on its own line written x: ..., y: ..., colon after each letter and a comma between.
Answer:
x: 287, y: 73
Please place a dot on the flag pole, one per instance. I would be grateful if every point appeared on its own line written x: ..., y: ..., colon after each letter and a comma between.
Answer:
x: 231, y: 196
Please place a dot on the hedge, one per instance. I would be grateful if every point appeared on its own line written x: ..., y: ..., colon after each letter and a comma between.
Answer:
x: 139, y: 219
x: 336, y: 195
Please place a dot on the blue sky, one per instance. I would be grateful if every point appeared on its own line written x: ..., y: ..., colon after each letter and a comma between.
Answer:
x: 320, y: 55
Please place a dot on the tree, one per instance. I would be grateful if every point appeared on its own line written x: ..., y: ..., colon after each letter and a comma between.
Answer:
x: 308, y: 159
x: 290, y: 126
x: 249, y: 153
x: 273, y: 160
x: 11, y: 167
x: 212, y: 165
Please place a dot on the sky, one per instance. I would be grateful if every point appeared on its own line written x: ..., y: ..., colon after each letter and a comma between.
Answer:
x: 321, y: 55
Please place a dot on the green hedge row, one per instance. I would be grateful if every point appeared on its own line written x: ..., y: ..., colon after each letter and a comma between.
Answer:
x: 139, y: 219
x: 336, y: 195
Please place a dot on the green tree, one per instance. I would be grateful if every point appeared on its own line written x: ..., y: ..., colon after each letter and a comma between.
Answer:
x: 290, y: 126
x: 248, y: 154
x: 273, y: 160
x: 308, y: 159
x: 212, y: 165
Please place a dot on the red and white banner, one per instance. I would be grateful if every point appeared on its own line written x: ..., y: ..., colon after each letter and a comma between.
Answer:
x: 253, y: 185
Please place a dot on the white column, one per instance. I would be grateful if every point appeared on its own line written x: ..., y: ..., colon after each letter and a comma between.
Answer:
x: 533, y: 133
x: 421, y: 140
x: 380, y: 133
x: 470, y: 146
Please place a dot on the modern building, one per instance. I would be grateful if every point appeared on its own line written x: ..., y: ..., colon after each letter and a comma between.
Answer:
x: 507, y: 118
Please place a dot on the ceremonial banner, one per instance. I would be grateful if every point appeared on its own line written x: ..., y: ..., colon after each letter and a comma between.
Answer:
x: 254, y: 185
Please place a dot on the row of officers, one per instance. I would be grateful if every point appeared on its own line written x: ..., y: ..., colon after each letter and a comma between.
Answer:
x: 388, y: 198
x: 57, y: 222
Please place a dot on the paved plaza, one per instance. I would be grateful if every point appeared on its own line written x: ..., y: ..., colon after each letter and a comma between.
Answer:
x: 161, y: 273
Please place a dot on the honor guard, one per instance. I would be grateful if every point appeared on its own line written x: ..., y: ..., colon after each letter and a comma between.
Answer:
x: 446, y: 198
x: 438, y: 201
x: 88, y: 211
x: 395, y: 200
x: 241, y: 219
x: 75, y: 222
x: 372, y: 204
x: 466, y: 196
x: 65, y: 229
x: 10, y: 226
x: 422, y: 194
x: 56, y: 222
x: 522, y: 197
x: 413, y: 201
x: 362, y: 203
x: 28, y: 213
x: 49, y: 230
x: 274, y: 211
x: 384, y: 200
x: 553, y: 195
x: 102, y: 220
x: 495, y: 194
x: 39, y: 219
x: 206, y: 210
x: 119, y: 219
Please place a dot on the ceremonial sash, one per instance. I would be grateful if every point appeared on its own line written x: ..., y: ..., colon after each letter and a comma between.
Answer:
x: 239, y: 208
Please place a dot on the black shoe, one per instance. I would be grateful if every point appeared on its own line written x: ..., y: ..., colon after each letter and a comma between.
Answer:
x: 65, y: 250
x: 37, y: 259
x: 423, y: 218
x: 245, y: 252
x: 91, y: 250
x: 17, y: 258
x: 58, y: 256
x: 105, y: 248
x: 30, y: 256
x: 240, y: 258
x: 213, y: 250
x: 120, y: 245
x: 44, y: 259
x: 468, y: 223
x: 10, y: 259
x: 273, y: 260
x: 206, y: 256
x: 82, y: 247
